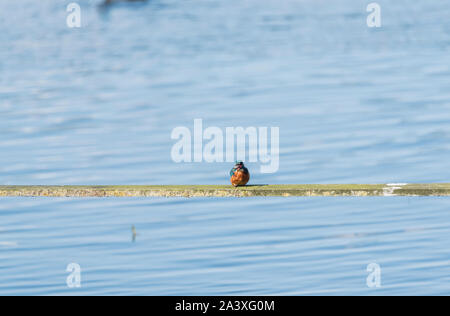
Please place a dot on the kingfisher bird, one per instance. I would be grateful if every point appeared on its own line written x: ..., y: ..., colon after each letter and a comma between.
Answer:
x: 239, y: 174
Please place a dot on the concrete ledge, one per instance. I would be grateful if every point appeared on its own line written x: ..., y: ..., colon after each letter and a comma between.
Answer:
x: 432, y: 189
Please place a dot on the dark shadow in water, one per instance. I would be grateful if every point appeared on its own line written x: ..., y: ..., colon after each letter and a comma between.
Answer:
x: 108, y: 4
x: 134, y: 233
x: 111, y: 2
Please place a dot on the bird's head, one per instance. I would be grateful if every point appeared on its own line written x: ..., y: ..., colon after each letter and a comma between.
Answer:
x: 239, y: 164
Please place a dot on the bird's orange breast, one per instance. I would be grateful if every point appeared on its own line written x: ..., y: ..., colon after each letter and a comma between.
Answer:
x: 240, y: 178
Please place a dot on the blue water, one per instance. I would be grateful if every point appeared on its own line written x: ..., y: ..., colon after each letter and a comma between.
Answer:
x: 97, y: 105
